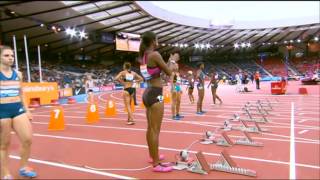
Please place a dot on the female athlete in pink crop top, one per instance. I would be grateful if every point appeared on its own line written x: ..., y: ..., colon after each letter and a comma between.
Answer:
x: 152, y: 96
x: 152, y: 72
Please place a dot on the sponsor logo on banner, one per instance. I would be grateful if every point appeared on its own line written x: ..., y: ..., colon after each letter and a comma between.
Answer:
x: 45, y: 91
x: 38, y: 88
x: 78, y: 91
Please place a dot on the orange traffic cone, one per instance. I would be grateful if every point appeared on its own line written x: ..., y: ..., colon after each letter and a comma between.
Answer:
x: 111, y: 109
x: 92, y: 114
x: 167, y: 98
x: 142, y: 105
x: 56, y: 119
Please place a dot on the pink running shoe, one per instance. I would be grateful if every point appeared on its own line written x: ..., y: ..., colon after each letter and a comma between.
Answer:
x: 161, y: 157
x: 162, y: 168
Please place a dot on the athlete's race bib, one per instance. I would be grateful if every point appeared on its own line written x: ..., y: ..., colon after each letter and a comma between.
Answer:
x: 129, y: 77
x: 160, y: 98
x: 144, y: 72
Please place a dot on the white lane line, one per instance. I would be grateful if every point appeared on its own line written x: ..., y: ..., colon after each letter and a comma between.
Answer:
x: 292, y: 146
x: 75, y: 168
x: 173, y: 132
x: 168, y: 120
x: 121, y: 104
x: 303, y: 131
x: 173, y: 149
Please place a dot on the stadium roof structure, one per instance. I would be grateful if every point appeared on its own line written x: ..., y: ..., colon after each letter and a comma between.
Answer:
x: 36, y: 19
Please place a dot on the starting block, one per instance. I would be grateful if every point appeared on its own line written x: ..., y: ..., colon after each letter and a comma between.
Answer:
x: 248, y: 141
x: 260, y: 103
x: 262, y: 111
x: 200, y: 165
x: 266, y: 106
x: 224, y: 140
x: 261, y: 129
x: 181, y: 165
x: 226, y: 164
x: 259, y: 110
x: 237, y: 118
x: 184, y: 161
x: 245, y: 128
x: 226, y: 125
x: 261, y: 120
x: 255, y: 128
x: 208, y: 138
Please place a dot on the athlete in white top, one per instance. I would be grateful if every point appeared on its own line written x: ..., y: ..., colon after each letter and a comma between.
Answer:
x: 89, y: 85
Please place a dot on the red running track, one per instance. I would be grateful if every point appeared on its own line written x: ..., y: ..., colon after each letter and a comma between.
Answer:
x: 112, y: 144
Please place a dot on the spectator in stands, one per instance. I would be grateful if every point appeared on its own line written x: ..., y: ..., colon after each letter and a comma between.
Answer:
x: 257, y: 78
x: 126, y: 78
